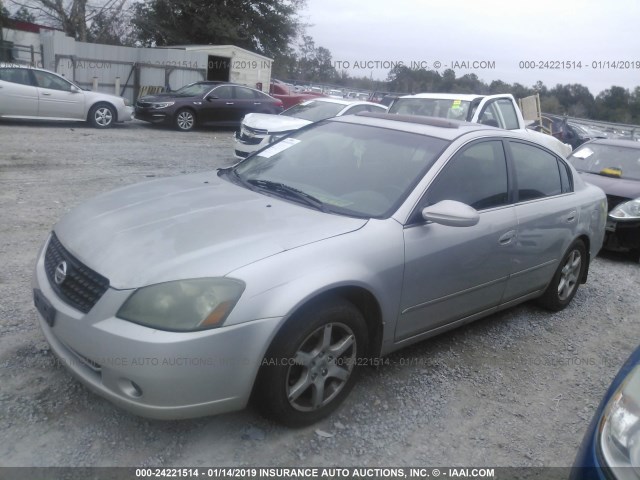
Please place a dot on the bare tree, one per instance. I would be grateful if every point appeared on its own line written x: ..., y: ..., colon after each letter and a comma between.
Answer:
x: 76, y: 17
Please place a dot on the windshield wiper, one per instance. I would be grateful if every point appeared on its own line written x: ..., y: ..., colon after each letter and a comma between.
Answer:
x: 290, y: 192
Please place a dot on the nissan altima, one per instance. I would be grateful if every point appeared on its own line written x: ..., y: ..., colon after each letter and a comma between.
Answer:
x: 278, y: 278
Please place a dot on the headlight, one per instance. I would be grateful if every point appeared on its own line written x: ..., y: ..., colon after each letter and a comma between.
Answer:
x: 159, y: 105
x: 277, y: 136
x: 126, y: 101
x: 627, y: 211
x: 183, y: 305
x: 620, y: 437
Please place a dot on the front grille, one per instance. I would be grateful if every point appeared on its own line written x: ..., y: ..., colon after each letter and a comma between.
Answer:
x: 251, y: 136
x: 82, y: 287
x: 613, y: 201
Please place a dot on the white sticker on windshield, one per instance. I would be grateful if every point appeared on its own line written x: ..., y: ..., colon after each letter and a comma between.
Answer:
x: 583, y: 153
x: 278, y: 147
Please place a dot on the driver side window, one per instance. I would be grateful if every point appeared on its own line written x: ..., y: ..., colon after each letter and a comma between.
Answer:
x: 476, y: 176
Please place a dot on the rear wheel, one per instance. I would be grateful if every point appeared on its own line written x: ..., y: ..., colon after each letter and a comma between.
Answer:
x: 312, y: 364
x: 185, y: 120
x: 566, y: 280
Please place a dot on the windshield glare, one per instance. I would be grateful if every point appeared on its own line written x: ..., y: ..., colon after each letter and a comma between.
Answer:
x: 352, y: 169
x: 314, y: 111
x: 432, y: 107
x: 609, y: 160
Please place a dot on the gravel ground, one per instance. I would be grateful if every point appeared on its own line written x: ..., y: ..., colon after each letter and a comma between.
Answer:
x: 515, y: 389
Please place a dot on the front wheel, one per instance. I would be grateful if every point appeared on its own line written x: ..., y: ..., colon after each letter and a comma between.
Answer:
x: 102, y: 116
x: 185, y: 120
x: 566, y: 280
x: 312, y: 364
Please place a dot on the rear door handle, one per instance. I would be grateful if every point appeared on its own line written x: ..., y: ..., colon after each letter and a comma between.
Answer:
x: 257, y: 103
x: 507, y: 238
x: 572, y: 216
x: 229, y: 103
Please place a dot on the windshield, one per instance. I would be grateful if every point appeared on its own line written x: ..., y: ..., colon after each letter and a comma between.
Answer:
x: 354, y: 170
x: 432, y: 107
x: 608, y: 160
x: 193, y: 90
x: 314, y: 111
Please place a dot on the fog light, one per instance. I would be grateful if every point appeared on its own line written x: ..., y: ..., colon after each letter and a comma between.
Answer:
x: 130, y: 388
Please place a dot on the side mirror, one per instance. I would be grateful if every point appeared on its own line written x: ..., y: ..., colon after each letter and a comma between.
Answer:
x: 451, y: 213
x: 74, y: 89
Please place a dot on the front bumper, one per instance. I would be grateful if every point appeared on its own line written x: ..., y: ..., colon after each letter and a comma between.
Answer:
x: 245, y: 143
x: 153, y: 373
x: 125, y: 114
x: 622, y: 235
x: 152, y: 116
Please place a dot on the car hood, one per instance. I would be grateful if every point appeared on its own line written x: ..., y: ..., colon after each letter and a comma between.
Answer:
x: 273, y: 123
x: 619, y: 187
x: 189, y: 226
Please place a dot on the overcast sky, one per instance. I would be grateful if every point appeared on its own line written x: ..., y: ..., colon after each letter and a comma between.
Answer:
x: 599, y: 35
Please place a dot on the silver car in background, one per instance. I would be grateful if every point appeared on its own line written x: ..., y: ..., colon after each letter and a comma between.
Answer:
x: 279, y: 278
x: 36, y: 94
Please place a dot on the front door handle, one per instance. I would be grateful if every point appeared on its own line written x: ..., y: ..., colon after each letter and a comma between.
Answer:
x: 46, y: 93
x: 229, y: 103
x: 507, y: 238
x: 572, y: 216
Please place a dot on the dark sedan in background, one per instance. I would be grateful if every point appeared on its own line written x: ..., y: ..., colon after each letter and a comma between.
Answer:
x: 614, y: 166
x: 205, y: 103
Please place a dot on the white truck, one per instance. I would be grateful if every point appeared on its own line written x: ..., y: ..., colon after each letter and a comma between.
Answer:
x: 497, y: 110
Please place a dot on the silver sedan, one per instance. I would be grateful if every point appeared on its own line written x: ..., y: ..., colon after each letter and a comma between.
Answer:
x: 37, y: 94
x: 279, y: 278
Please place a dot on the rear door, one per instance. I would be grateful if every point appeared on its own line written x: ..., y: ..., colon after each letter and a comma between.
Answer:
x: 547, y: 217
x: 57, y: 99
x: 456, y: 272
x: 18, y: 94
x: 248, y: 101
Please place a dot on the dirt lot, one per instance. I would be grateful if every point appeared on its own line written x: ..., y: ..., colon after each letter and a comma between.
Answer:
x: 515, y: 389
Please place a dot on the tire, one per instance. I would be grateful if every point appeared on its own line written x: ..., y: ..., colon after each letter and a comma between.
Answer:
x: 567, y: 278
x: 312, y: 365
x: 185, y: 120
x: 102, y: 115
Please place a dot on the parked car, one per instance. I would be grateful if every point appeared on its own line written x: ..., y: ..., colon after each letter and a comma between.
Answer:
x: 611, y: 445
x: 572, y: 133
x: 280, y: 277
x: 259, y: 130
x: 205, y: 103
x: 37, y: 94
x: 614, y: 166
x: 290, y: 96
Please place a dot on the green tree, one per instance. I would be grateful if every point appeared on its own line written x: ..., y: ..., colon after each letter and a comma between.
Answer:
x: 264, y: 26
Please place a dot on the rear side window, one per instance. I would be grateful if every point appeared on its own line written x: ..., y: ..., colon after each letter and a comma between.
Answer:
x: 245, y: 93
x: 16, y: 75
x: 538, y: 172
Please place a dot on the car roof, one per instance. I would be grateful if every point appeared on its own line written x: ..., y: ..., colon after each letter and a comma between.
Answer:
x: 614, y: 142
x: 340, y: 101
x: 431, y: 126
x: 446, y: 96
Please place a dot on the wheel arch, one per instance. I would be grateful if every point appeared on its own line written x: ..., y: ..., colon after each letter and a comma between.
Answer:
x: 587, y: 244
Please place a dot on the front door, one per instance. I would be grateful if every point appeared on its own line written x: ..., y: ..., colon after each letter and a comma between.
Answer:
x: 455, y: 272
